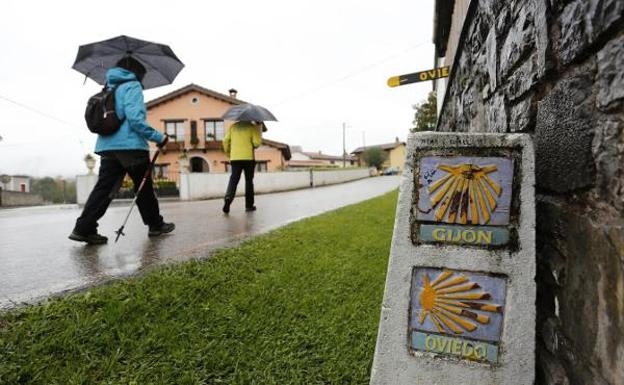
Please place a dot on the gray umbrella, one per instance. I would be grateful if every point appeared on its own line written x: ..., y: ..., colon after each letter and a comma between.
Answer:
x: 161, y: 63
x: 248, y: 112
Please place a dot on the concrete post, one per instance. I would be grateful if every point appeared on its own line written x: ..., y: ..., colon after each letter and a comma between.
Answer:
x: 84, y: 186
x: 459, y: 302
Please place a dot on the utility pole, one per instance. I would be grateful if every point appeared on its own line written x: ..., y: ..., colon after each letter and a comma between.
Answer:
x: 344, y: 147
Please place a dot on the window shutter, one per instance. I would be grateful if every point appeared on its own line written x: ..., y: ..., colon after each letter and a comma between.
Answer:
x: 194, y: 138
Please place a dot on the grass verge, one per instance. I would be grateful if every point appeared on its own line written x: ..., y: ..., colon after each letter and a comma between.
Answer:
x: 299, y: 305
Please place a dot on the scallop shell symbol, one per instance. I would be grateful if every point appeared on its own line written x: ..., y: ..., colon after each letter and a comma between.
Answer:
x: 465, y: 187
x: 450, y: 301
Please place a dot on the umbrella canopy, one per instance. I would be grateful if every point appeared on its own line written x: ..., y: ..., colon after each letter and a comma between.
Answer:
x: 248, y: 112
x: 161, y: 63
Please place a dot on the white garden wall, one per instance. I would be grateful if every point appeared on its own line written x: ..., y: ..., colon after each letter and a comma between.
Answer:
x: 207, y: 185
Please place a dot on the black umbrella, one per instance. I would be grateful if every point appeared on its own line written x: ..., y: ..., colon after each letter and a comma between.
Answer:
x: 248, y: 112
x: 161, y: 63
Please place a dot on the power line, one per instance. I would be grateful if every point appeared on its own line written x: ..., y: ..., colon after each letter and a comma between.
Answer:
x: 44, y: 114
x: 32, y: 109
x: 350, y: 75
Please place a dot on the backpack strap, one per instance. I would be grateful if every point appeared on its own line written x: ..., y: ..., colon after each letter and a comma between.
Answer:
x: 106, y: 86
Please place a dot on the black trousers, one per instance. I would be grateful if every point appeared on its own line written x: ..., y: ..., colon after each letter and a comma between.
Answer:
x: 113, y: 168
x: 238, y: 166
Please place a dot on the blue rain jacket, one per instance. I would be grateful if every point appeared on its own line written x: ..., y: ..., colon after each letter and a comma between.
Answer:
x: 130, y: 107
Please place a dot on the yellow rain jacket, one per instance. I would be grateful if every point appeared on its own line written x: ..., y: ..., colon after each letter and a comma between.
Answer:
x: 240, y: 141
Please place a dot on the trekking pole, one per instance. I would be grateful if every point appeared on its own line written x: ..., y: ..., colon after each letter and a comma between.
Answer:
x: 148, y: 172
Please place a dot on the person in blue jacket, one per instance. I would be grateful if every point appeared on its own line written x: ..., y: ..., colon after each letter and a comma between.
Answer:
x: 124, y: 152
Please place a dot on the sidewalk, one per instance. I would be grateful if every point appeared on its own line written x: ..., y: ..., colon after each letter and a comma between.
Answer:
x: 38, y: 260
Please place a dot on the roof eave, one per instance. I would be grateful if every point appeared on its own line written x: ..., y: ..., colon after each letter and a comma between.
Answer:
x: 189, y: 88
x: 442, y: 16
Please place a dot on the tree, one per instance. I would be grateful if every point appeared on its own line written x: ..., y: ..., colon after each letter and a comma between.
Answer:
x: 374, y: 157
x: 426, y: 116
x: 55, y: 190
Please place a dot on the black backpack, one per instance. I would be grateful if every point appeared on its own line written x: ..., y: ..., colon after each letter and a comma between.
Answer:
x: 100, y: 113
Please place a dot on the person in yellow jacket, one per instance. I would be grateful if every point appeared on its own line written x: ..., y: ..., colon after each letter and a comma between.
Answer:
x: 239, y: 144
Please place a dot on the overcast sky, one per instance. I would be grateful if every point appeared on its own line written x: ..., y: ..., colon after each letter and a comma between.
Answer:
x: 314, y: 63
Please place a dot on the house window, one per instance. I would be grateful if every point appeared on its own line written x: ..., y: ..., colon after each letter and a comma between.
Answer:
x: 175, y: 129
x: 262, y: 166
x: 161, y: 171
x: 215, y: 130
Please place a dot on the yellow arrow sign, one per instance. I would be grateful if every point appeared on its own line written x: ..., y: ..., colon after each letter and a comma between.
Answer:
x: 435, y: 73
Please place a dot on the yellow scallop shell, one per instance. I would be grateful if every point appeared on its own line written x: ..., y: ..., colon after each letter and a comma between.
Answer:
x: 451, y: 301
x: 465, y: 191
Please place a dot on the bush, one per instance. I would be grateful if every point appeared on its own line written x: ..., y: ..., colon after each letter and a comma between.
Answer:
x: 374, y: 157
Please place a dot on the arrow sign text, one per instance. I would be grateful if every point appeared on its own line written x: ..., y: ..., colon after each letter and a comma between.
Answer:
x: 421, y: 76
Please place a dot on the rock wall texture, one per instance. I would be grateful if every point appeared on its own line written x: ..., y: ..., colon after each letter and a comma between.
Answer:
x: 555, y: 69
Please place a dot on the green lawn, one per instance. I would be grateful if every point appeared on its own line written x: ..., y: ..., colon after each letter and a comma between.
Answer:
x: 299, y: 305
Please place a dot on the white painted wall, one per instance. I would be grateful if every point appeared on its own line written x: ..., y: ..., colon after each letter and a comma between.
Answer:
x: 205, y: 185
x: 323, y: 178
x: 213, y: 185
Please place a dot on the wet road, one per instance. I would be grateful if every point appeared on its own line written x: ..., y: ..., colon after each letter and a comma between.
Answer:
x: 37, y: 259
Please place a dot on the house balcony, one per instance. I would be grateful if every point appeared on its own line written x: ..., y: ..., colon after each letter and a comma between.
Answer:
x: 208, y: 145
x: 213, y: 145
x: 174, y: 146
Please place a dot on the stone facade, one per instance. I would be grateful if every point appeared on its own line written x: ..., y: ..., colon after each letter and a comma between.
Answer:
x: 555, y: 69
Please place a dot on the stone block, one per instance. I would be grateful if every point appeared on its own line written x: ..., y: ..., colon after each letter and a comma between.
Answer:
x: 608, y: 151
x: 523, y: 78
x: 460, y: 311
x: 602, y: 15
x: 610, y: 75
x: 590, y: 326
x: 496, y: 114
x: 583, y: 22
x: 573, y: 39
x: 527, y: 36
x: 522, y: 115
x: 491, y: 59
x: 519, y: 40
x: 551, y: 372
x: 563, y: 136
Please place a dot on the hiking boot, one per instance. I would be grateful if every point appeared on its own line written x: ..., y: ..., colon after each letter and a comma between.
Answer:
x: 252, y: 208
x: 164, y: 228
x: 92, y: 239
x: 226, y: 205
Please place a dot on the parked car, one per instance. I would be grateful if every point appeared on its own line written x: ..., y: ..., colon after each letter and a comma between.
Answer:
x: 391, y: 171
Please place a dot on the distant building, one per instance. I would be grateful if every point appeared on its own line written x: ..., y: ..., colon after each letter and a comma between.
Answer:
x: 193, y: 115
x: 302, y: 159
x: 21, y: 183
x: 15, y: 191
x: 394, y: 150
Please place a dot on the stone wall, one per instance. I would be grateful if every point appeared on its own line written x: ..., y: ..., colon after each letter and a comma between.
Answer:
x: 16, y: 198
x: 555, y: 69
